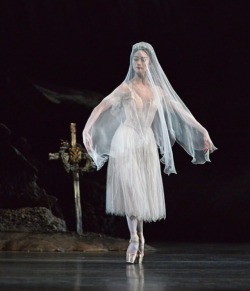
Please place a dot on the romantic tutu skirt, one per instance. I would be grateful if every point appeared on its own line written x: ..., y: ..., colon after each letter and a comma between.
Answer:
x: 134, y: 181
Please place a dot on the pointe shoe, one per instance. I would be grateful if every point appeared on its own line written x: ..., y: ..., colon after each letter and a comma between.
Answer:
x: 132, y: 250
x: 141, y: 248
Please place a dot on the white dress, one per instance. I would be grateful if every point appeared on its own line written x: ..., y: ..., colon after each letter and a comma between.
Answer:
x: 134, y: 182
x: 128, y: 129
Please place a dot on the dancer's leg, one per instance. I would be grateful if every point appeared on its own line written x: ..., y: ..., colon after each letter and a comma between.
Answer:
x: 134, y: 240
x: 140, y: 226
x: 141, y: 239
x: 132, y: 225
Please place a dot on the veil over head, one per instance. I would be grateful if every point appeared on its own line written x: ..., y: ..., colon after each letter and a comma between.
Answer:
x: 171, y: 120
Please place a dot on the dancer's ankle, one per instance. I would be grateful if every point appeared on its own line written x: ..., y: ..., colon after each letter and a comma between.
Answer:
x: 134, y: 237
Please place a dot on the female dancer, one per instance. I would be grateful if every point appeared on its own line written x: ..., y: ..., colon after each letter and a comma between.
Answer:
x: 141, y: 114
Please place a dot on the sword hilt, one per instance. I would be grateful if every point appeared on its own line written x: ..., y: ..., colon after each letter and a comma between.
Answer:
x: 73, y: 134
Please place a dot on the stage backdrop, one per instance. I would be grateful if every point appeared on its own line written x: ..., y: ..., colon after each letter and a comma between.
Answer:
x: 60, y: 58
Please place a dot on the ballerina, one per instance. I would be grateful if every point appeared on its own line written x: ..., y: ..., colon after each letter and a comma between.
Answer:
x: 143, y: 114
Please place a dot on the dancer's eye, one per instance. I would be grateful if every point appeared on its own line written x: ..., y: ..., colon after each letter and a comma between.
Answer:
x: 143, y: 59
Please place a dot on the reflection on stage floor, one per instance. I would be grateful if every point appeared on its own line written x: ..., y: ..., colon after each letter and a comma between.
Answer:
x: 172, y: 267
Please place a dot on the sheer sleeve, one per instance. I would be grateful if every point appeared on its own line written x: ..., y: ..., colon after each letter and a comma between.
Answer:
x: 189, y: 133
x: 102, y: 124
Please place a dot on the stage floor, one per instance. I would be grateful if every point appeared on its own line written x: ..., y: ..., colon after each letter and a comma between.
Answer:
x: 173, y: 267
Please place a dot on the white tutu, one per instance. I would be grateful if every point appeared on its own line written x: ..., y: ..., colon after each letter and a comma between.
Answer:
x: 134, y: 182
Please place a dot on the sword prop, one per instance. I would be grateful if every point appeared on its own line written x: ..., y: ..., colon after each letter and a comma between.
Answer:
x: 76, y: 183
x: 72, y: 156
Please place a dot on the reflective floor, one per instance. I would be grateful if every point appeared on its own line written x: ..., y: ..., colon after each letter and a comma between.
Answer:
x: 172, y: 267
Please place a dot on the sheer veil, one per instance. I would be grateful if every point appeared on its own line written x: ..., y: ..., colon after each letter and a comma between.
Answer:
x: 171, y: 122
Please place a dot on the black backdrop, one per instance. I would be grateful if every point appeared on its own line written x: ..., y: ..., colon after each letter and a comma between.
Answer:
x: 203, y: 47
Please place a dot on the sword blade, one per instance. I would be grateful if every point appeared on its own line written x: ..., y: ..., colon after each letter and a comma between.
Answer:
x: 78, y: 207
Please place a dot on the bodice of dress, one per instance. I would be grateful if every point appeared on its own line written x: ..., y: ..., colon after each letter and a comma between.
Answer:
x: 139, y: 112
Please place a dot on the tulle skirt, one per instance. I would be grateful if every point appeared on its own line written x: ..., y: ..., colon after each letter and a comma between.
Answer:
x: 134, y: 182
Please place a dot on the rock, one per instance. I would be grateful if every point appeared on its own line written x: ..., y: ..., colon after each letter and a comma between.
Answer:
x: 37, y: 219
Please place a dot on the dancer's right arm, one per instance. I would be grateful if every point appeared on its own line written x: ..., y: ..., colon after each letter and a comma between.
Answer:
x: 101, y: 107
x: 105, y: 104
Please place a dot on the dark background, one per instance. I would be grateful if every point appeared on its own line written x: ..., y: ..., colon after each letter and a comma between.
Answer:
x: 203, y: 47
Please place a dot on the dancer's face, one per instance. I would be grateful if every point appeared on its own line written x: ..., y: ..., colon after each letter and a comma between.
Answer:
x: 140, y: 62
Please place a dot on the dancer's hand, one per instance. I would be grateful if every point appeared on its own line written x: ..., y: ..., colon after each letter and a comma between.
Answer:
x: 88, y: 145
x: 208, y: 145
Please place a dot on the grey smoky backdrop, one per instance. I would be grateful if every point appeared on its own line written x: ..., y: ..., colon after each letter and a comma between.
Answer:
x: 59, y: 58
